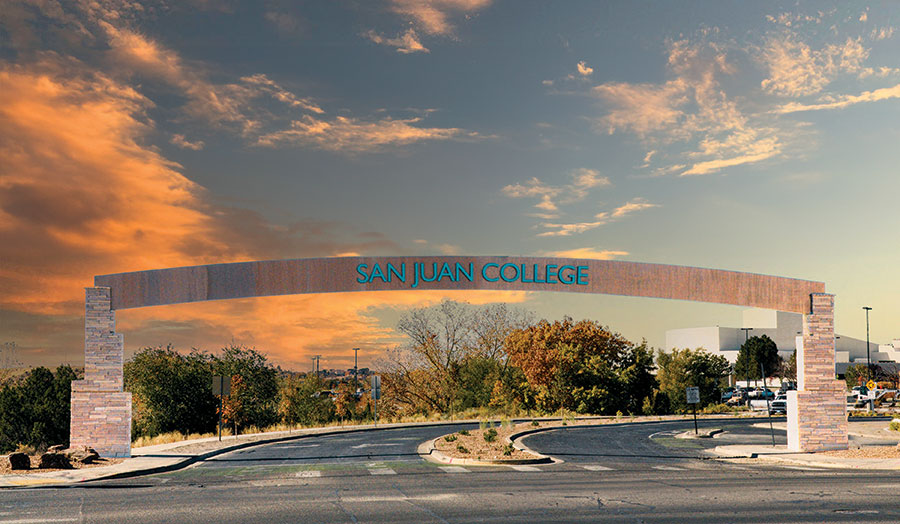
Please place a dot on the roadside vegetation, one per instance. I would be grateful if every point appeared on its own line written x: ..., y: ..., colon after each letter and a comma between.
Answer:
x: 458, y: 362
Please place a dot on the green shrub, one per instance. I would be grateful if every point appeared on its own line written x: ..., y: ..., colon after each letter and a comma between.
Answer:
x: 490, y: 435
x: 895, y: 425
x: 461, y: 448
x: 535, y: 423
x: 464, y: 432
x: 508, y: 450
x: 450, y: 438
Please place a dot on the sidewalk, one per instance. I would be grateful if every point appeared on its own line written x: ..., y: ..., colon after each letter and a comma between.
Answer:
x: 167, y: 457
x: 863, y: 435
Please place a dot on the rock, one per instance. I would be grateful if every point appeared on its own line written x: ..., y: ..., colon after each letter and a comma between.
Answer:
x: 59, y: 448
x: 19, y: 461
x: 85, y: 455
x: 55, y: 461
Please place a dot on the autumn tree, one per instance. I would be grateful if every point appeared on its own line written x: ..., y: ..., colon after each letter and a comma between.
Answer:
x: 453, y: 357
x: 680, y: 368
x: 301, y: 401
x: 257, y: 394
x: 581, y: 366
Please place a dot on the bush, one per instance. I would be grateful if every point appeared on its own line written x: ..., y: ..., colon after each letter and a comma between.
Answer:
x: 461, y: 448
x: 464, y: 432
x: 722, y: 408
x: 895, y: 425
x: 508, y: 450
x: 490, y: 435
x: 35, y: 411
x: 450, y: 438
x: 535, y: 423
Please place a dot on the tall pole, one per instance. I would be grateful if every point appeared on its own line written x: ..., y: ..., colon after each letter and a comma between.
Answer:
x: 868, y: 359
x: 355, y: 371
x: 746, y: 338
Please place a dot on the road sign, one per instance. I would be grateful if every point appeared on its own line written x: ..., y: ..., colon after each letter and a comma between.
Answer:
x: 376, y: 387
x: 693, y: 395
x: 871, y: 384
x: 221, y: 386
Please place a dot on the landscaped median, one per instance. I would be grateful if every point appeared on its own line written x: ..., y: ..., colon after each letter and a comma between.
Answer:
x: 492, y: 444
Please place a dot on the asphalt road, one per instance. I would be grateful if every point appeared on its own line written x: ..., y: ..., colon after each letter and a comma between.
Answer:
x: 610, y: 474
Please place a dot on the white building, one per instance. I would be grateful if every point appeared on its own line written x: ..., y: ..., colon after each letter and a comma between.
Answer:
x: 785, y: 329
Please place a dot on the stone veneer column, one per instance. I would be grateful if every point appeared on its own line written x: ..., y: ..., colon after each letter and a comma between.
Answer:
x: 101, y: 410
x: 817, y: 413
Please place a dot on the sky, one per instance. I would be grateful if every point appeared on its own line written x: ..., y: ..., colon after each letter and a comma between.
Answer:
x: 750, y: 136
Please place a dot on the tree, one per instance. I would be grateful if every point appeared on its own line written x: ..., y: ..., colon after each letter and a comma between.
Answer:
x: 454, y: 355
x: 171, y: 392
x: 257, y: 395
x: 35, y: 412
x: 301, y: 402
x: 581, y: 366
x: 856, y: 375
x: 681, y: 368
x: 756, y: 351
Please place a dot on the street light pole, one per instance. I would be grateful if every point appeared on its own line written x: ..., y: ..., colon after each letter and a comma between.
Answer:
x: 868, y: 359
x: 746, y: 338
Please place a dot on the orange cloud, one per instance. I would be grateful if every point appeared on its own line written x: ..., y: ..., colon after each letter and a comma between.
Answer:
x: 433, y: 16
x: 289, y: 329
x: 80, y: 194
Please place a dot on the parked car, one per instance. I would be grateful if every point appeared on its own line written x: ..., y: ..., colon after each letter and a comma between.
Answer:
x: 779, y: 405
x: 761, y: 394
x: 738, y: 398
x: 727, y: 393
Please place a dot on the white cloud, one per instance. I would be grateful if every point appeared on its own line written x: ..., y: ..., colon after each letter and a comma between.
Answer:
x: 564, y: 230
x: 354, y: 136
x: 583, y: 69
x: 182, y: 142
x: 795, y: 69
x: 583, y: 180
x: 885, y: 93
x: 406, y: 43
x: 561, y: 229
x: 632, y: 206
x: 433, y: 16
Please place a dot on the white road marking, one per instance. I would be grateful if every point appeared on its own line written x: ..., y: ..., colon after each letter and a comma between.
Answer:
x: 525, y: 468
x: 382, y: 471
x: 308, y: 474
x: 454, y: 469
x: 399, y: 498
x: 37, y: 521
x: 668, y: 468
x: 594, y: 467
x: 361, y: 446
x: 801, y: 468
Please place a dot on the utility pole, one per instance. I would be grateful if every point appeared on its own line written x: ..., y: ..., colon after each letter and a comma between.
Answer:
x: 355, y: 371
x: 317, y: 365
x: 868, y: 359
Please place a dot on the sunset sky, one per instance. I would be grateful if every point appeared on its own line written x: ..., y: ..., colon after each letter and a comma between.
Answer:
x: 752, y: 136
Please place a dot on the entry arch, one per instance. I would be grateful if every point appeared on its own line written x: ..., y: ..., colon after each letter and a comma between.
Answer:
x: 101, y: 409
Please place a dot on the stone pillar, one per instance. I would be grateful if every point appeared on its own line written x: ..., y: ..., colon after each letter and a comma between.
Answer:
x: 817, y: 412
x: 101, y: 410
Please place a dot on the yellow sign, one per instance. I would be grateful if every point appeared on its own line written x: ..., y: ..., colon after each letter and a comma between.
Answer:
x: 871, y: 384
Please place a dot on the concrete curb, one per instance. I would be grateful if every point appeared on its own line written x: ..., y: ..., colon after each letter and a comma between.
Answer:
x: 429, y: 452
x: 707, y: 433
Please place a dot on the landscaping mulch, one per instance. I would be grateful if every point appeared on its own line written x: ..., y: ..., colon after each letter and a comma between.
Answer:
x: 36, y: 461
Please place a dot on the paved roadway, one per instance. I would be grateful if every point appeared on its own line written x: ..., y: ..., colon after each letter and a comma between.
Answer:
x: 628, y: 473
